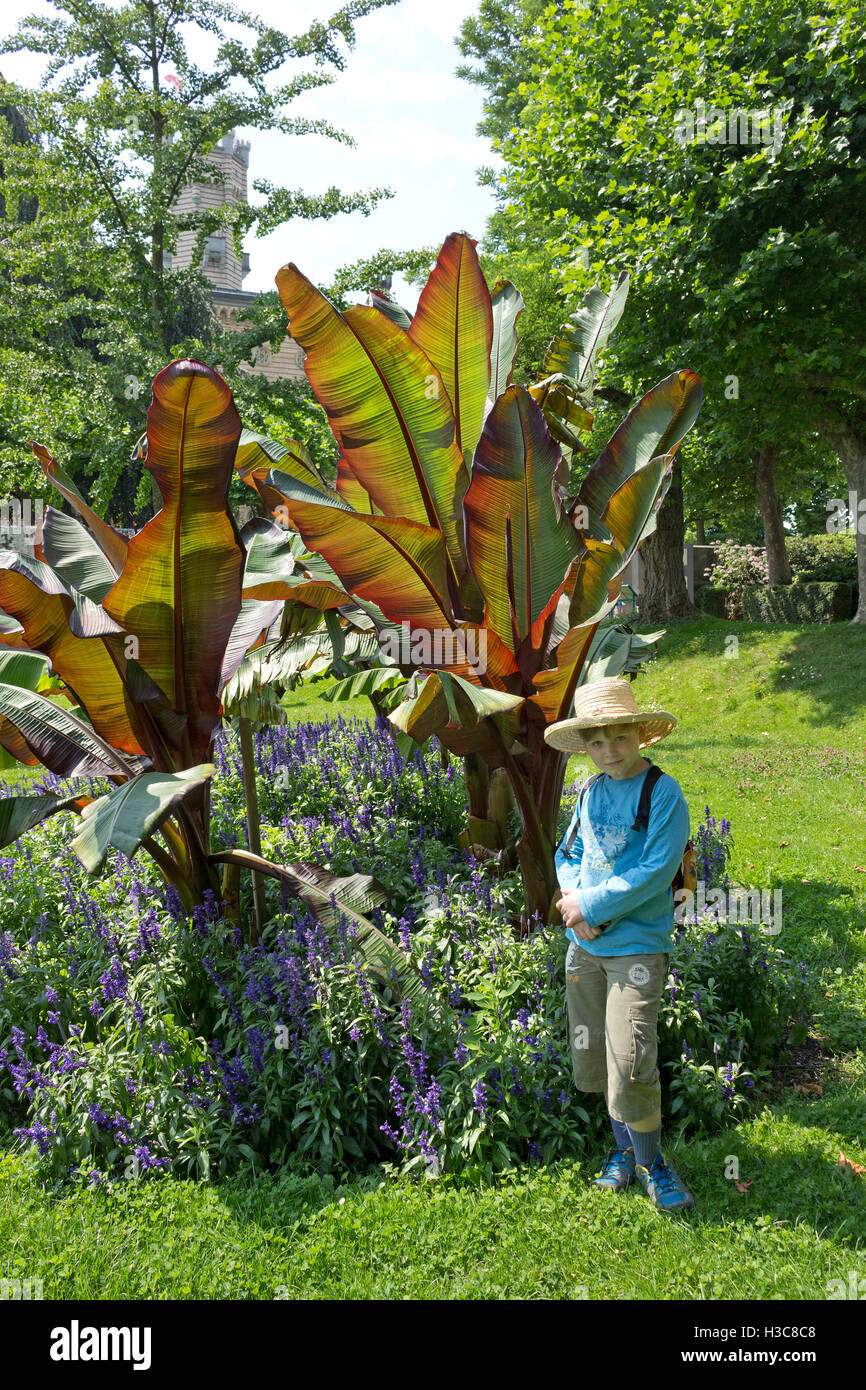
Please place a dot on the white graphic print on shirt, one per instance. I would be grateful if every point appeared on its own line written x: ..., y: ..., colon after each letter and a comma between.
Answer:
x: 604, y: 839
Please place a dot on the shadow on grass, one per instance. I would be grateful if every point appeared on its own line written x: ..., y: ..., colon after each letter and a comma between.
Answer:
x: 796, y: 1181
x: 828, y: 665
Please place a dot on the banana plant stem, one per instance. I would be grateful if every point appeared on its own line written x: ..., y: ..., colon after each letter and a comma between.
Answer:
x: 253, y: 827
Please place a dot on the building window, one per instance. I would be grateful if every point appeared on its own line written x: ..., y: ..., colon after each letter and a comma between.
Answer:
x: 215, y: 252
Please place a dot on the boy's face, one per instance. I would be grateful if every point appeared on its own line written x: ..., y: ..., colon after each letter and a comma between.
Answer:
x: 615, y: 749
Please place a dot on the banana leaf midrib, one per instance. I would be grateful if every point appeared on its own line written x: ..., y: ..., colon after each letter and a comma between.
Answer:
x: 414, y: 456
x: 179, y: 671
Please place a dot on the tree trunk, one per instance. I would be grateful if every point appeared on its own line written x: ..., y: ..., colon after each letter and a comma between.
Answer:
x: 764, y: 463
x: 851, y: 448
x: 664, y: 594
x: 700, y: 537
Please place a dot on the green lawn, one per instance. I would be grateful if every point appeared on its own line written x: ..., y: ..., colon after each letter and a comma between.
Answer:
x: 774, y: 739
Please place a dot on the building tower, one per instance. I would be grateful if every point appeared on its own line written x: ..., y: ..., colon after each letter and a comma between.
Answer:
x: 222, y: 266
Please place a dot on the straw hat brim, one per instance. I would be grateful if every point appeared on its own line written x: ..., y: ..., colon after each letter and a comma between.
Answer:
x: 567, y: 734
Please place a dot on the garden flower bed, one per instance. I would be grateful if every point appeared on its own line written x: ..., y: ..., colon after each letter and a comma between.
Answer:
x: 136, y: 1038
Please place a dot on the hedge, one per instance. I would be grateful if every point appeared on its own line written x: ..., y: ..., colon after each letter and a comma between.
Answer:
x: 711, y: 601
x: 796, y: 603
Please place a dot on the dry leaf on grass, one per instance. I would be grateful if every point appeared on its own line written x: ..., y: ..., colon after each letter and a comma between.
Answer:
x: 809, y: 1088
x: 848, y: 1163
x: 743, y: 1186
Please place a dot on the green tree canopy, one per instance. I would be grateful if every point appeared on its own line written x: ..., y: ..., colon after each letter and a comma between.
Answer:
x: 746, y: 257
x: 105, y: 145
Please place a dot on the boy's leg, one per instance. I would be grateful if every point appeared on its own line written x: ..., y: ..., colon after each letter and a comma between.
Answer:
x: 585, y: 995
x: 586, y: 1002
x: 635, y: 985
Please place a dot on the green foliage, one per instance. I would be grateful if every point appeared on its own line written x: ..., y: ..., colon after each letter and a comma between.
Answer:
x: 831, y: 557
x: 747, y: 259
x: 711, y: 600
x: 370, y: 272
x: 732, y: 995
x: 798, y: 603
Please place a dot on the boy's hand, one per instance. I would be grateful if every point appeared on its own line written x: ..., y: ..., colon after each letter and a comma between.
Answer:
x: 569, y: 906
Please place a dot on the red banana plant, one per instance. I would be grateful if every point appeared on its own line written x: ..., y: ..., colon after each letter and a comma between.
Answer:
x: 452, y: 516
x: 144, y: 635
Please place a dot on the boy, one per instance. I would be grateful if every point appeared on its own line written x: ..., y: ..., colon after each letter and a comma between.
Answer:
x: 618, y: 910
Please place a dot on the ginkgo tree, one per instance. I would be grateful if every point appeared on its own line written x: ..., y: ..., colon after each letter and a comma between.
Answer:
x: 455, y: 513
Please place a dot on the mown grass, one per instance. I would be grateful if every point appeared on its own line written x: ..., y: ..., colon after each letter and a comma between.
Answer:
x: 773, y: 738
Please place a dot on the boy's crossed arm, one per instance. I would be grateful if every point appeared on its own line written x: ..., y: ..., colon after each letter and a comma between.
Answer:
x: 572, y: 916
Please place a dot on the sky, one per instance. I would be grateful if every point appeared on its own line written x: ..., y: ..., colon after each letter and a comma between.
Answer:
x: 412, y: 119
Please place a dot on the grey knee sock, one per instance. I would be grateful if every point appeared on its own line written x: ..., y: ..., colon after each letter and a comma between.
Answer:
x: 620, y: 1132
x: 646, y: 1145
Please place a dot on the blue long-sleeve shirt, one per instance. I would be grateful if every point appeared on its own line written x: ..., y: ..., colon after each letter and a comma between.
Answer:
x: 623, y: 875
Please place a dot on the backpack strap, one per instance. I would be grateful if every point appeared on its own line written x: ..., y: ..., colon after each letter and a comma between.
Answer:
x: 585, y: 788
x: 641, y: 820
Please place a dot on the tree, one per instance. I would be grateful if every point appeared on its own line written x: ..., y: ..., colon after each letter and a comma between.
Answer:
x: 113, y: 145
x: 747, y: 257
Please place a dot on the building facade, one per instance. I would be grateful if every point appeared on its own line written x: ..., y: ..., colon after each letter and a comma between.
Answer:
x: 220, y: 264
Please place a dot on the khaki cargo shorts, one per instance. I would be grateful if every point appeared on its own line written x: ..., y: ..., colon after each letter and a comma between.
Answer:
x: 612, y: 1006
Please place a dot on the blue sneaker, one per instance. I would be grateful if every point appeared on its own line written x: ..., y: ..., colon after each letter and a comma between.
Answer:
x: 618, y: 1171
x: 661, y: 1184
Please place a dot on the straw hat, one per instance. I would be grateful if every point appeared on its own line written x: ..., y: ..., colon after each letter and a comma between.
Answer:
x: 608, y: 701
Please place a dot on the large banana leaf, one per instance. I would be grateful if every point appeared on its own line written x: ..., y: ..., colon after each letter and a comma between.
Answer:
x: 351, y: 491
x: 316, y: 887
x: 616, y: 651
x: 58, y: 739
x: 555, y: 688
x: 112, y: 544
x: 251, y: 626
x: 277, y: 662
x: 88, y: 666
x: 507, y: 305
x: 20, y: 813
x: 453, y: 325
x: 28, y: 670
x: 386, y: 405
x: 129, y: 814
x: 575, y: 350
x: 377, y: 679
x: 74, y: 555
x: 395, y: 563
x: 11, y: 632
x: 653, y: 428
x: 446, y: 698
x: 568, y: 376
x: 519, y: 541
x: 256, y: 453
x: 180, y: 591
x: 389, y: 307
